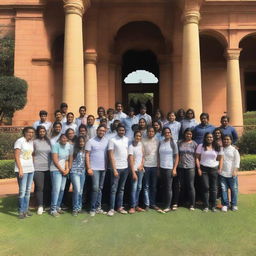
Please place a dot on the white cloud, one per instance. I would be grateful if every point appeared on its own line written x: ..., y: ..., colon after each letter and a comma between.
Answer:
x: 141, y: 77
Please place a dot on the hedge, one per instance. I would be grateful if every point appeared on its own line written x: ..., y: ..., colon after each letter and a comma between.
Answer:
x: 247, y: 143
x: 7, y: 169
x: 7, y: 141
x: 248, y: 163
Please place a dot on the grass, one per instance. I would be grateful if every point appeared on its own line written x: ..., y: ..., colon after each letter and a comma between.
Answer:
x: 176, y: 233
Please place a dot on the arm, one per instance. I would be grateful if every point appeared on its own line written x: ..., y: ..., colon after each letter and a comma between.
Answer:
x: 17, y: 160
x: 87, y: 162
x: 112, y: 162
x: 131, y: 163
x: 236, y: 164
x: 55, y: 160
x: 141, y: 167
x: 220, y: 159
x: 198, y: 158
x: 235, y: 136
x: 176, y: 162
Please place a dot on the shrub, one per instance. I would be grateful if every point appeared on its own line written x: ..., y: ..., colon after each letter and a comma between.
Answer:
x: 7, y: 169
x: 6, y: 56
x: 247, y: 142
x: 7, y: 141
x: 248, y: 163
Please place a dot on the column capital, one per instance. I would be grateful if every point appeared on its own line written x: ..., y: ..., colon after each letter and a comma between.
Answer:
x: 76, y: 6
x: 233, y: 53
x: 191, y: 17
x: 90, y: 57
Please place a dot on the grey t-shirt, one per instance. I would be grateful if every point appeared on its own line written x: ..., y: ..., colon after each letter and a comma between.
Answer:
x: 187, y: 154
x: 42, y: 155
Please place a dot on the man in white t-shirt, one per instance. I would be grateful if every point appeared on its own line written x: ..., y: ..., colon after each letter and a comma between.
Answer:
x: 143, y: 114
x: 118, y: 155
x: 69, y: 124
x: 43, y: 121
x: 119, y: 112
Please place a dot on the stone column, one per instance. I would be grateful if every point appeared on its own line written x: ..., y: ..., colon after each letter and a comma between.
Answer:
x: 73, y: 66
x: 191, y: 67
x: 234, y: 94
x: 91, y: 88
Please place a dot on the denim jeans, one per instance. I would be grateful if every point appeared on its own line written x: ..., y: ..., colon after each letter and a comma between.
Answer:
x: 58, y: 187
x: 136, y: 188
x: 209, y: 185
x: 167, y: 178
x: 98, y: 179
x: 77, y: 180
x: 149, y: 186
x: 229, y: 183
x: 117, y: 188
x: 25, y: 183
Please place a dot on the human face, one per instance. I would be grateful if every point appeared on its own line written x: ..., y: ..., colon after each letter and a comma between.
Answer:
x: 158, y: 115
x: 217, y: 134
x: 119, y: 107
x: 209, y: 139
x: 29, y: 134
x: 57, y: 128
x: 58, y: 116
x: 121, y: 131
x: 90, y: 120
x: 101, y: 132
x: 64, y: 110
x: 82, y: 112
x: 151, y: 133
x: 63, y: 140
x: 131, y: 113
x: 143, y: 111
x: 224, y: 122
x: 204, y: 120
x: 71, y: 134
x: 70, y: 119
x: 115, y: 124
x: 100, y: 112
x: 110, y: 116
x: 171, y: 117
x: 42, y: 133
x: 137, y: 137
x: 81, y: 143
x: 82, y: 132
x: 190, y: 114
x: 227, y: 141
x: 142, y: 124
x: 156, y: 126
x: 188, y: 136
x: 43, y: 118
x: 167, y: 134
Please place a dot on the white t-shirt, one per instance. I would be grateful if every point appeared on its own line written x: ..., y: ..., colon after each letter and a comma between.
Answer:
x: 137, y: 153
x: 150, y: 151
x: 208, y: 157
x: 46, y: 124
x: 166, y: 153
x: 119, y: 145
x: 26, y: 150
x: 66, y: 126
x: 231, y: 161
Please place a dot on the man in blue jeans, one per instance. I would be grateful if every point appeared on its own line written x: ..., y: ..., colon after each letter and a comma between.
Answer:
x: 118, y: 155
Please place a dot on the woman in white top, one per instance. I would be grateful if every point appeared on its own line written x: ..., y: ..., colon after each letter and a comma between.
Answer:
x: 56, y: 132
x: 209, y: 159
x: 169, y: 158
x: 24, y: 169
x: 228, y: 174
x: 136, y: 163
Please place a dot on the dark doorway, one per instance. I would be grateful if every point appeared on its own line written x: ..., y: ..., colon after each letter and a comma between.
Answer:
x: 141, y: 91
x: 250, y: 88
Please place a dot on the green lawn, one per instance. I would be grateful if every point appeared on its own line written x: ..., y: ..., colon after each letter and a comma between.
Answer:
x: 176, y: 233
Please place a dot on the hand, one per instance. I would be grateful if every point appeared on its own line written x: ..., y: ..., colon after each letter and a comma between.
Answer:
x: 174, y: 172
x: 219, y: 171
x: 20, y: 173
x: 199, y: 172
x: 134, y: 176
x: 140, y: 168
x: 115, y: 173
x: 234, y: 173
x: 66, y: 171
x: 90, y: 172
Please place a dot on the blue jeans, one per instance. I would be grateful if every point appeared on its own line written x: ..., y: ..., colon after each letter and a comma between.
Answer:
x: 136, y: 188
x: 149, y: 186
x: 98, y: 179
x: 25, y: 184
x: 58, y: 187
x: 232, y: 184
x: 167, y: 179
x: 77, y: 180
x: 117, y: 188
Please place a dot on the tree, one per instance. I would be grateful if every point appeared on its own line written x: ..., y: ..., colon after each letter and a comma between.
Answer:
x: 13, y: 95
x: 6, y: 56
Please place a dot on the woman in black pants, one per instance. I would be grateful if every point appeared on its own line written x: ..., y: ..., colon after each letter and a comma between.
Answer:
x: 42, y: 159
x: 209, y: 160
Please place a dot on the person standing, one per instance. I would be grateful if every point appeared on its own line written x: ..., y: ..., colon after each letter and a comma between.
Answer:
x: 119, y: 115
x: 173, y: 125
x: 96, y: 163
x: 24, y: 169
x: 118, y: 155
x: 189, y: 121
x: 42, y: 160
x: 128, y: 122
x: 136, y: 163
x: 110, y: 117
x: 143, y: 114
x: 43, y: 121
x: 69, y: 123
x: 56, y: 132
x: 226, y: 129
x: 209, y: 160
x: 82, y: 119
x: 91, y: 128
x: 64, y: 111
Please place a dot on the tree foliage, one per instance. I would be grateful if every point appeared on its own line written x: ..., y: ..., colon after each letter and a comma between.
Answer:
x: 13, y: 95
x: 6, y: 56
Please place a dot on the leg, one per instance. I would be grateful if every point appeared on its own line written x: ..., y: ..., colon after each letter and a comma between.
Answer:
x: 152, y: 185
x: 134, y: 184
x: 47, y: 188
x: 189, y: 178
x: 39, y: 187
x: 28, y: 189
x: 101, y: 185
x: 234, y: 190
x: 146, y: 186
x: 120, y: 190
x: 22, y: 190
x: 80, y: 195
x: 62, y: 190
x: 205, y: 187
x: 224, y: 190
x: 213, y: 180
x: 56, y: 183
x: 139, y: 187
x: 114, y: 184
x: 75, y: 179
x: 176, y: 190
x: 95, y: 189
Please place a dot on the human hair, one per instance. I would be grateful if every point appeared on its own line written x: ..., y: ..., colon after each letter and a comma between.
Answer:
x: 67, y: 131
x: 70, y: 113
x: 82, y: 107
x: 55, y: 123
x: 53, y: 126
x: 63, y: 105
x: 229, y: 136
x: 91, y: 116
x: 187, y: 130
x: 26, y: 129
x: 190, y: 110
x: 159, y: 123
x: 144, y: 121
x: 77, y: 148
x: 43, y: 113
x: 62, y: 135
x: 110, y: 110
x: 100, y: 126
x: 224, y: 117
x: 179, y: 114
x: 171, y: 139
x: 150, y: 127
x: 120, y: 125
x: 82, y: 126
x: 217, y: 129
x: 56, y: 111
x: 131, y: 109
x: 143, y: 106
x: 204, y: 115
x: 215, y: 145
x: 118, y: 103
x: 101, y: 108
x: 158, y: 110
x: 136, y: 132
x: 169, y: 113
x: 38, y: 129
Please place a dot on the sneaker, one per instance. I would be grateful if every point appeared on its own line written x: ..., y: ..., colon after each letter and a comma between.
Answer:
x: 60, y: 211
x: 122, y: 210
x: 132, y: 211
x: 206, y: 209
x: 234, y: 208
x: 75, y: 213
x: 28, y: 214
x: 55, y: 214
x: 224, y: 209
x: 146, y: 208
x: 214, y: 209
x: 40, y: 210
x: 166, y: 210
x: 111, y: 213
x: 191, y: 208
x: 21, y: 216
x: 100, y: 211
x: 175, y: 207
x: 138, y: 209
x: 92, y: 213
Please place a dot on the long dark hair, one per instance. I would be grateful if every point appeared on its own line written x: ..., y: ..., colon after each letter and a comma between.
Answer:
x: 38, y: 129
x: 187, y: 130
x: 215, y: 145
x: 171, y: 140
x: 77, y: 148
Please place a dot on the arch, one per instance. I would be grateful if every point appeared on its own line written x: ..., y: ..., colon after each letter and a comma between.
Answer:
x: 246, y: 35
x: 217, y: 35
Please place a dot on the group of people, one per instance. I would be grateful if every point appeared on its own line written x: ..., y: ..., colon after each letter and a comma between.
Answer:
x: 188, y: 158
